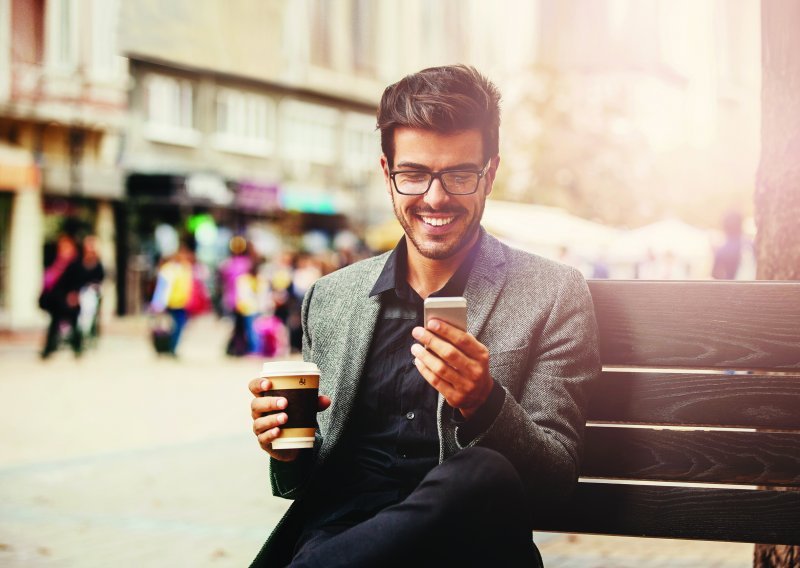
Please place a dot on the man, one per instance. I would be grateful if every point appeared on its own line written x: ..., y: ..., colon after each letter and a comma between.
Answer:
x: 439, y: 445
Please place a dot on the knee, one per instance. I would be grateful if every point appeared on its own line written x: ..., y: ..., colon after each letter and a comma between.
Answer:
x: 484, y: 471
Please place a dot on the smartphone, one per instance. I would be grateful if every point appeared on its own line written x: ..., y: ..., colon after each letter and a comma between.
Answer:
x: 453, y: 310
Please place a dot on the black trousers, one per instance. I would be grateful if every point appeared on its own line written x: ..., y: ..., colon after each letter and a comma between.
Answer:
x: 468, y: 511
x: 69, y: 315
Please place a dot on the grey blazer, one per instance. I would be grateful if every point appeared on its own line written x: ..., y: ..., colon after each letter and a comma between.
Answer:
x: 536, y: 318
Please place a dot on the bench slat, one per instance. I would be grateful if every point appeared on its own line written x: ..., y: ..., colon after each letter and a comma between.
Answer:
x: 755, y: 325
x: 752, y: 458
x: 769, y: 517
x: 746, y: 401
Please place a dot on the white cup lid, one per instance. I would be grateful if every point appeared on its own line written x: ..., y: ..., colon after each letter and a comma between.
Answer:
x: 276, y: 368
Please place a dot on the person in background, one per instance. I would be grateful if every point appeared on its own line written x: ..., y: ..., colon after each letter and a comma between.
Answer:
x: 238, y: 263
x: 60, y: 295
x: 92, y: 275
x: 173, y: 291
x: 249, y: 294
x: 733, y: 259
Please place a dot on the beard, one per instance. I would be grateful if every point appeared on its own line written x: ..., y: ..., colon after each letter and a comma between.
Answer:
x: 444, y: 246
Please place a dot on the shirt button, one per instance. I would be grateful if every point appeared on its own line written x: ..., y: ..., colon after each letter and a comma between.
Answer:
x: 410, y: 416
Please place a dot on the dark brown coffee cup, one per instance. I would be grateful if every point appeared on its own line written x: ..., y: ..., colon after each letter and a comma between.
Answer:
x: 298, y: 383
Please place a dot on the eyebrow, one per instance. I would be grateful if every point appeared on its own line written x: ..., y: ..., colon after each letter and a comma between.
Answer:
x: 415, y: 166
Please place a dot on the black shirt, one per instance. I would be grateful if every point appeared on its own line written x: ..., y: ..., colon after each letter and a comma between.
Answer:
x: 391, y: 441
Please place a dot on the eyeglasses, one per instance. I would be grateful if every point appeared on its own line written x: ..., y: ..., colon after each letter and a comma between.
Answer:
x: 454, y: 182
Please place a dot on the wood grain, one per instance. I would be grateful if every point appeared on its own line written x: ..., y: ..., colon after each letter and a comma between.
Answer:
x: 752, y: 458
x: 746, y: 401
x: 770, y: 517
x: 729, y: 325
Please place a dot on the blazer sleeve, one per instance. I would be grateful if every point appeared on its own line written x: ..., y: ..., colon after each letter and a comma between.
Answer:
x: 541, y: 429
x: 288, y: 479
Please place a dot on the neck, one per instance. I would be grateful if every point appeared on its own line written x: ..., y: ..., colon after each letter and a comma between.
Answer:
x: 427, y: 275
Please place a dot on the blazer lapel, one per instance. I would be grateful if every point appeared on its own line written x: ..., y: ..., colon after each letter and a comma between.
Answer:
x: 485, y: 282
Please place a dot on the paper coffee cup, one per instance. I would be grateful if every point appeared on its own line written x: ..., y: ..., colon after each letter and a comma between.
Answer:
x: 298, y: 383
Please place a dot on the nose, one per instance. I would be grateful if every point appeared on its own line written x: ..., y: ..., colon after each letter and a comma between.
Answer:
x: 436, y: 196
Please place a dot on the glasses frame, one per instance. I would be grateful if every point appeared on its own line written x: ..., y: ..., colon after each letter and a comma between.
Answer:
x: 438, y: 175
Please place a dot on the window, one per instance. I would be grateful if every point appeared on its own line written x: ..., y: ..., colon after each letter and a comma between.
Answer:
x: 364, y: 48
x: 361, y: 148
x: 169, y: 105
x: 322, y: 24
x: 308, y: 132
x: 245, y: 122
x: 62, y: 35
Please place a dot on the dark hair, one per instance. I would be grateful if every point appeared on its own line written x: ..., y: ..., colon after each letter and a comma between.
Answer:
x: 444, y: 99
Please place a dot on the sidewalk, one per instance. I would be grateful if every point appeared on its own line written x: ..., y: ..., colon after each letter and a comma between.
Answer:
x: 126, y: 459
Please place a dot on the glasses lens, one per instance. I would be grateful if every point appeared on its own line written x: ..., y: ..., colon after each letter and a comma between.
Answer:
x: 412, y: 183
x: 460, y: 183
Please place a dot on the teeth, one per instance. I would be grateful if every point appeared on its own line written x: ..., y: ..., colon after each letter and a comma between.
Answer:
x: 438, y: 222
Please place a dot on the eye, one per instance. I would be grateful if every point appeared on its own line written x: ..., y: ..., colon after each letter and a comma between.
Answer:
x: 412, y: 177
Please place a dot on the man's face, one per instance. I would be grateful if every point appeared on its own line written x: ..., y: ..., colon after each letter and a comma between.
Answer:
x: 437, y: 223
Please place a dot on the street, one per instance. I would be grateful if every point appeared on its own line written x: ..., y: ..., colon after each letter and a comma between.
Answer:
x: 123, y: 458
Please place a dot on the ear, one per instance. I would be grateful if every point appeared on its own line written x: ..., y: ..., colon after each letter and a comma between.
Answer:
x: 491, y: 172
x: 385, y: 168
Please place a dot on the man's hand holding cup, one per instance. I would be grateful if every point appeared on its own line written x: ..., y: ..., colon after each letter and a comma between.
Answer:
x: 285, y: 406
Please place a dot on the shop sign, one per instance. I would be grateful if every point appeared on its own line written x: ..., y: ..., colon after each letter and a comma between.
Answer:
x: 210, y: 187
x: 257, y: 196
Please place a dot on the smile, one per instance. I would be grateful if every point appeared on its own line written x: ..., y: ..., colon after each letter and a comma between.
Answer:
x: 437, y: 221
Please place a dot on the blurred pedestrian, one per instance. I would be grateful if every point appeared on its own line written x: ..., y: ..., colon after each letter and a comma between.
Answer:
x: 238, y: 263
x: 733, y: 259
x: 173, y: 291
x: 60, y: 296
x: 247, y: 307
x: 92, y: 274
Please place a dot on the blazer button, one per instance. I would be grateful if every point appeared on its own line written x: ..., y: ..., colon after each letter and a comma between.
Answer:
x: 410, y: 416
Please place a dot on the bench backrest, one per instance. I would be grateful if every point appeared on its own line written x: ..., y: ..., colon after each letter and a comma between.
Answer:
x: 694, y: 428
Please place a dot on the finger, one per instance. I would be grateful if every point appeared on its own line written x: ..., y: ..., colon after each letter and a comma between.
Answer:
x: 323, y: 402
x: 437, y: 366
x: 443, y: 349
x: 265, y: 440
x: 261, y: 404
x: 463, y: 340
x: 265, y: 423
x: 259, y: 385
x: 445, y: 388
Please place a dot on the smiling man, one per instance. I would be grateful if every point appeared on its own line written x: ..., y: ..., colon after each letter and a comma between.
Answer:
x: 436, y: 446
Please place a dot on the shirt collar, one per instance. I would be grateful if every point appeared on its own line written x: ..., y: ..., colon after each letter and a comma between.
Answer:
x: 393, y: 275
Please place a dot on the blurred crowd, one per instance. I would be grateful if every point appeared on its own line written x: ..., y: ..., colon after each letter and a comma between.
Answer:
x: 261, y: 296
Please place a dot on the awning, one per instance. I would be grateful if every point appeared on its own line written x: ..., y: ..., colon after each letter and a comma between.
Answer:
x: 18, y: 170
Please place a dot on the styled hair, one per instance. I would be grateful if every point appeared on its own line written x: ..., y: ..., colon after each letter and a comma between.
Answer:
x: 445, y: 99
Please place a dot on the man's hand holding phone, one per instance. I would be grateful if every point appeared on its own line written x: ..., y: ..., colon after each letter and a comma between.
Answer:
x: 454, y: 362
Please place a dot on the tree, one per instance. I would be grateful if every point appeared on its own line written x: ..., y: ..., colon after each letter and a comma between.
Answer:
x: 777, y: 198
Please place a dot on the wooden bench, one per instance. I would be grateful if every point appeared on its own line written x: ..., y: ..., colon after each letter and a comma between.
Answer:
x: 694, y: 428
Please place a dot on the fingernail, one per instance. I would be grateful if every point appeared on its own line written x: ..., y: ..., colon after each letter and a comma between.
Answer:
x: 417, y: 332
x: 282, y: 418
x: 433, y: 325
x: 281, y: 403
x: 416, y: 349
x: 263, y: 385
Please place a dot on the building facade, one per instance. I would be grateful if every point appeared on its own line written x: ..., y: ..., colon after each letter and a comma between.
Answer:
x: 63, y: 107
